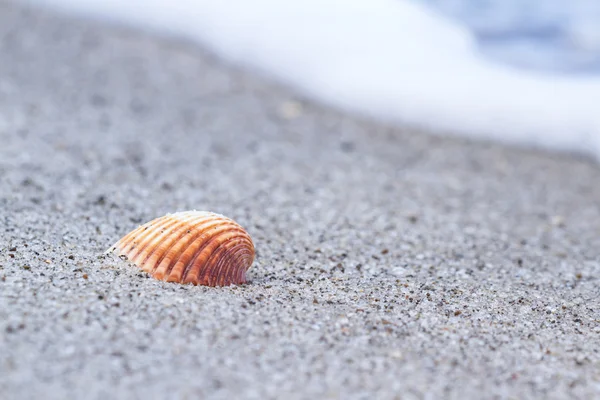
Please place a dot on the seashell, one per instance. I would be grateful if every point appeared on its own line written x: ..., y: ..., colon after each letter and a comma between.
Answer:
x: 198, y: 247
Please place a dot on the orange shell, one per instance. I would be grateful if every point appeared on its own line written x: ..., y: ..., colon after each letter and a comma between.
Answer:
x: 197, y: 247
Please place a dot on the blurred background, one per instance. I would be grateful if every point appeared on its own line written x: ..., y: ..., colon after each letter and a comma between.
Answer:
x: 521, y: 72
x: 545, y: 35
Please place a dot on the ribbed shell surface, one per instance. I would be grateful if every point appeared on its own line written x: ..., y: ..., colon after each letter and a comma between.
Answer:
x: 197, y: 247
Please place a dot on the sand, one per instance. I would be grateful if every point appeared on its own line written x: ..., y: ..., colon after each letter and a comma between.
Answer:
x: 391, y: 263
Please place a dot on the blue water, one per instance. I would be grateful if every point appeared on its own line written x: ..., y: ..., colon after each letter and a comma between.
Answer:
x: 561, y: 36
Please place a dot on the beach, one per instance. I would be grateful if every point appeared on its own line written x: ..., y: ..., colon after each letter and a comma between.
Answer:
x: 391, y: 263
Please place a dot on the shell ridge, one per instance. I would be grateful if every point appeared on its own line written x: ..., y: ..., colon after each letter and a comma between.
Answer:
x: 156, y: 257
x: 122, y: 243
x: 145, y: 238
x: 154, y: 241
x: 151, y: 237
x: 197, y: 247
x: 228, y: 263
x: 199, y: 223
x: 237, y: 260
x: 212, y: 273
x: 192, y: 245
x: 208, y: 240
x: 249, y: 259
x: 231, y: 264
x: 195, y: 267
x: 206, y: 226
x: 217, y: 260
x: 134, y: 233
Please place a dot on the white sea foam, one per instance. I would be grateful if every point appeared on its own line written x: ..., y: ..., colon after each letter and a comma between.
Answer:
x: 390, y: 59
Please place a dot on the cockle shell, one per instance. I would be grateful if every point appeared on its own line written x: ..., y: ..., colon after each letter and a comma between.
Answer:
x: 198, y: 247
